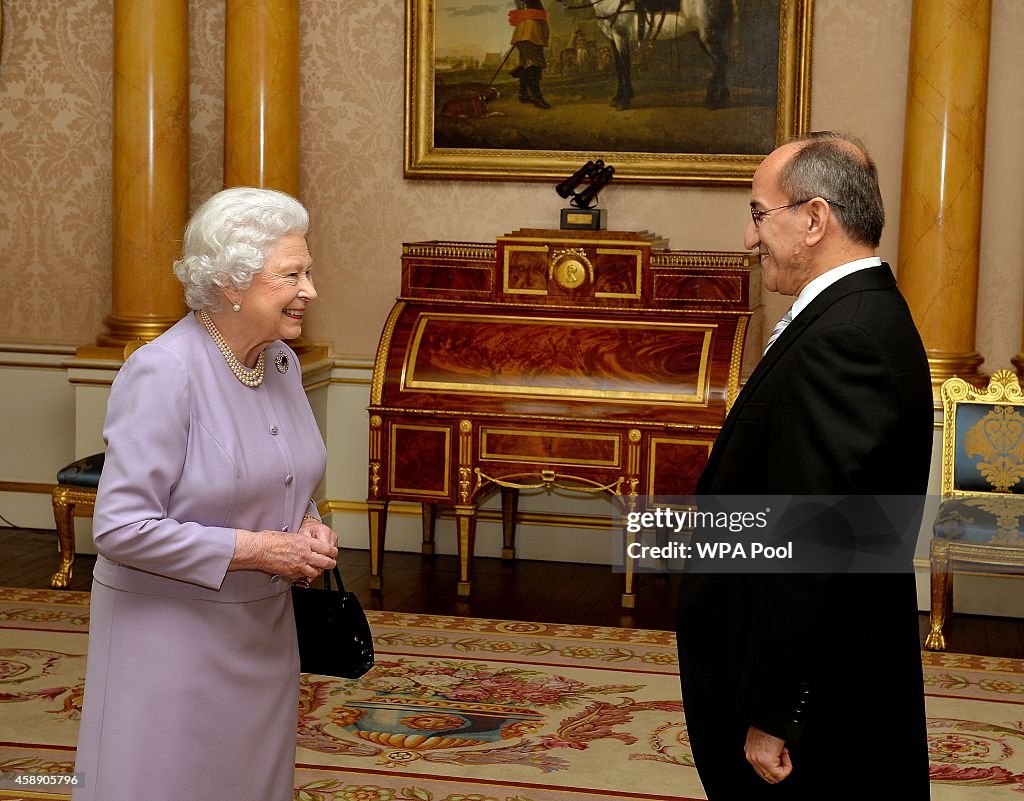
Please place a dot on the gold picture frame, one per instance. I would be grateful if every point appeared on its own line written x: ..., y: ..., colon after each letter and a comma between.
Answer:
x: 504, y: 139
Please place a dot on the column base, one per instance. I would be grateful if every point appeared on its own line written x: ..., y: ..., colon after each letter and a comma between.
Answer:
x: 109, y: 353
x: 308, y: 352
x: 945, y: 365
x: 121, y: 345
x: 122, y: 331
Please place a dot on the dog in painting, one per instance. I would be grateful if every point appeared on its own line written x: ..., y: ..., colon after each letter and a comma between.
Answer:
x: 471, y: 107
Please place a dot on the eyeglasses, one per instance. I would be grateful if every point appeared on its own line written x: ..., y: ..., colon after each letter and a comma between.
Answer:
x: 757, y: 216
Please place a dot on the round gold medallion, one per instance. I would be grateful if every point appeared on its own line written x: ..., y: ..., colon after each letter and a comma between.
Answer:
x: 571, y: 269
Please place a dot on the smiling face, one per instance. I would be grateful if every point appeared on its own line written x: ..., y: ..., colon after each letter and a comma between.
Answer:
x: 274, y: 304
x: 780, y: 237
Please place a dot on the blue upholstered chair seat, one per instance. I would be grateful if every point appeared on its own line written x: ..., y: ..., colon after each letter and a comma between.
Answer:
x: 74, y: 495
x: 84, y: 472
x: 993, y: 520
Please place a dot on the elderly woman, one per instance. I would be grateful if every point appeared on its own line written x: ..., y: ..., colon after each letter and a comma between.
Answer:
x: 203, y: 521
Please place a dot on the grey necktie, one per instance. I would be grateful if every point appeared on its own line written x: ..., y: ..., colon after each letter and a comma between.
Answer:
x: 780, y: 326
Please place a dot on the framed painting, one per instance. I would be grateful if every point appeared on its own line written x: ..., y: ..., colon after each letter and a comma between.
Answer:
x: 666, y: 91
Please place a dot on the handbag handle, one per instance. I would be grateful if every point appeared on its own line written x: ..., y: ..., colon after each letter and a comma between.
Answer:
x: 337, y: 576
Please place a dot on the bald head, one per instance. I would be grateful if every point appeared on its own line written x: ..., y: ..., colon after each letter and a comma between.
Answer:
x: 838, y: 168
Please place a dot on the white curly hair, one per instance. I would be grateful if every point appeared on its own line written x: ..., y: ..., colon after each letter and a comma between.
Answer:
x: 228, y: 239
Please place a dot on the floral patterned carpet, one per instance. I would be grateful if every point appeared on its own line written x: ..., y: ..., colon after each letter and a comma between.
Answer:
x: 462, y: 709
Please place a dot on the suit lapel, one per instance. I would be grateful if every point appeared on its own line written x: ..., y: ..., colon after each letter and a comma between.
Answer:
x: 872, y: 278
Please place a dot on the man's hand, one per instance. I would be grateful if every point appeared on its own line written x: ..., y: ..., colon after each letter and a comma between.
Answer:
x: 767, y: 755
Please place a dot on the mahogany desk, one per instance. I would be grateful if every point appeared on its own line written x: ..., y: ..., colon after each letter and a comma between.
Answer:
x: 585, y: 360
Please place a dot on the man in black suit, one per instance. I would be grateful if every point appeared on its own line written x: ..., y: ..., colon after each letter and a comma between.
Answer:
x: 809, y: 685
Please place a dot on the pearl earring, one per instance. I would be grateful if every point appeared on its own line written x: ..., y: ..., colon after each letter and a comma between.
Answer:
x: 237, y: 307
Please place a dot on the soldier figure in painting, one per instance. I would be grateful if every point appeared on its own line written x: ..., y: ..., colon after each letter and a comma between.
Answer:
x: 530, y: 37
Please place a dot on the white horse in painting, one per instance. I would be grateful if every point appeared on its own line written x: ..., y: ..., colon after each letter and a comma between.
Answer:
x: 626, y: 22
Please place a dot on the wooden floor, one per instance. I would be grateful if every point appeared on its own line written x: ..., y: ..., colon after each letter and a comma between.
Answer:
x: 523, y: 590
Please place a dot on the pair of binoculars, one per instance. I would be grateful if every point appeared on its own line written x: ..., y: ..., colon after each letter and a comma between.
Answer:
x: 597, y: 175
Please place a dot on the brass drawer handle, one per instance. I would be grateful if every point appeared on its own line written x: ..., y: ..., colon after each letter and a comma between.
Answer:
x: 549, y: 479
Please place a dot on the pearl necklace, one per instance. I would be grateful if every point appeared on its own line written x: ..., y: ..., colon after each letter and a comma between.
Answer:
x: 250, y: 376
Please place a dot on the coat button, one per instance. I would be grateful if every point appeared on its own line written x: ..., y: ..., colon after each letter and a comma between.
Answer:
x: 273, y: 430
x: 284, y: 528
x: 289, y: 479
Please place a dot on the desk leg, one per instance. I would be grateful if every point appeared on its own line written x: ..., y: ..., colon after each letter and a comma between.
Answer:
x: 465, y: 521
x: 628, y: 594
x: 509, y: 507
x: 429, y: 512
x: 377, y: 511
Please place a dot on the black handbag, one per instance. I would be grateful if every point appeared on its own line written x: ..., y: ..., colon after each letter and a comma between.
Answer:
x: 334, y: 635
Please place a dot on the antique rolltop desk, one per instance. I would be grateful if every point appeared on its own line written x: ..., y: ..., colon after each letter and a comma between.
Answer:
x: 589, y: 360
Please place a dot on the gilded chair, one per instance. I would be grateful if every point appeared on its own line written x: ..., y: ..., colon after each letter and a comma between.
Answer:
x: 74, y: 495
x: 979, y: 522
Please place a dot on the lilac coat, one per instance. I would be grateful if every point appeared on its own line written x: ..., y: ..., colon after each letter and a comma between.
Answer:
x: 192, y: 678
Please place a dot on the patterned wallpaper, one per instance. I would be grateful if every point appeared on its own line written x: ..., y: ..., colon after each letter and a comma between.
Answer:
x: 206, y: 98
x: 55, y: 137
x: 55, y: 118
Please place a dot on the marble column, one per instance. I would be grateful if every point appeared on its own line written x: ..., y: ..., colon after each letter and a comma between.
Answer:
x: 261, y: 94
x: 261, y: 105
x: 943, y: 164
x: 150, y: 167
